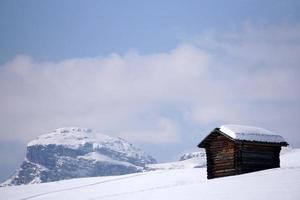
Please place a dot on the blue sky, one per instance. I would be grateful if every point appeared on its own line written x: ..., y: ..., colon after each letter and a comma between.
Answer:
x: 158, y: 73
x: 65, y: 29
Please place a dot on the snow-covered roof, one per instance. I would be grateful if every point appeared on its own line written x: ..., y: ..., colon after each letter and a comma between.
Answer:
x: 251, y: 133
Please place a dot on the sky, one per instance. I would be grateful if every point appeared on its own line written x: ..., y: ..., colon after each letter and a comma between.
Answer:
x: 161, y: 74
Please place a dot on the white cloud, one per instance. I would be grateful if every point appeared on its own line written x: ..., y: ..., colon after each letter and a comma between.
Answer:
x: 107, y: 93
x: 165, y: 131
x: 246, y: 76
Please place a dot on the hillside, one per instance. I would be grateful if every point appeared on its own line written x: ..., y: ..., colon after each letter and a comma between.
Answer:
x: 178, y: 184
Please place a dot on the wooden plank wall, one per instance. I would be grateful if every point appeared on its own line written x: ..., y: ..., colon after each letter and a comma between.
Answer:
x: 220, y: 157
x: 254, y: 157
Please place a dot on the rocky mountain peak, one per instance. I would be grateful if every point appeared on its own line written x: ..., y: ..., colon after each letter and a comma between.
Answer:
x: 73, y: 152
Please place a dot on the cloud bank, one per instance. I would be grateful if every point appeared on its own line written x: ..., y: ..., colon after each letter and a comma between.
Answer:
x: 247, y: 76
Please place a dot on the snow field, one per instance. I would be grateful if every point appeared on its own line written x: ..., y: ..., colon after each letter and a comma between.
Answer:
x: 187, y: 184
x: 176, y: 184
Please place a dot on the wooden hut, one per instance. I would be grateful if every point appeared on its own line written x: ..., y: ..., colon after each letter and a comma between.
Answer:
x: 236, y: 149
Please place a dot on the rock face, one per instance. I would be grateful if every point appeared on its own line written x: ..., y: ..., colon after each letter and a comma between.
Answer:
x: 75, y: 152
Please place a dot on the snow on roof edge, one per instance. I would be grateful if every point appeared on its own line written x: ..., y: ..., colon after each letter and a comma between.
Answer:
x: 251, y: 133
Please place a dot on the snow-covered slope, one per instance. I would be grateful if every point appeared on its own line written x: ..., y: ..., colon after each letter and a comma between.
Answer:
x: 187, y: 184
x: 77, y: 152
x: 290, y: 158
x: 186, y: 161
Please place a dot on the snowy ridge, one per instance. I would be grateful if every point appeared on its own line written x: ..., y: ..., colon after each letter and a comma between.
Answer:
x: 74, y: 138
x: 251, y: 133
x: 71, y: 137
x: 200, y: 153
x: 186, y: 161
x: 195, y: 162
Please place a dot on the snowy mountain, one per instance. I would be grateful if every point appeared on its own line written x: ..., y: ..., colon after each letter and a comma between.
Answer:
x: 188, y: 184
x: 77, y: 152
x: 199, y: 154
x: 186, y: 161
